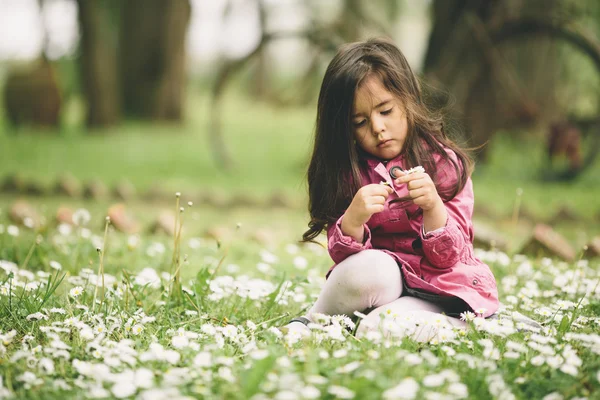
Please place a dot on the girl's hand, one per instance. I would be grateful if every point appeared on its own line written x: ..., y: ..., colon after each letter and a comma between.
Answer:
x: 421, y: 189
x: 369, y: 199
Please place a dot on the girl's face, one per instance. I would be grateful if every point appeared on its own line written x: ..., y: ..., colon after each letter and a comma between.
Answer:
x: 379, y: 121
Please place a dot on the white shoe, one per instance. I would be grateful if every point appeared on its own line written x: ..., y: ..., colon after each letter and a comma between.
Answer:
x: 297, y: 325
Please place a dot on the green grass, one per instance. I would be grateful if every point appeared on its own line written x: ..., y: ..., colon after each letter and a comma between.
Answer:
x: 225, y: 356
x: 269, y: 148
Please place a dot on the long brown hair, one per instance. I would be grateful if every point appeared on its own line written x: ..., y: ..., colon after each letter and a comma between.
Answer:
x: 334, y: 171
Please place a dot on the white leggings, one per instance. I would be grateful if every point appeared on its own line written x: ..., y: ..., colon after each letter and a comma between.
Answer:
x: 371, y: 280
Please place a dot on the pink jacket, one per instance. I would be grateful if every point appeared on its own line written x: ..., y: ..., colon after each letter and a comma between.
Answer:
x: 440, y: 262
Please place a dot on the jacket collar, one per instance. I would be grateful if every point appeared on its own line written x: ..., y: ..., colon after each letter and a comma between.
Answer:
x: 372, y: 162
x: 382, y: 167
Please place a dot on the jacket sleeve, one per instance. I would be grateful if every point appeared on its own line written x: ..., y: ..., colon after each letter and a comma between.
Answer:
x: 445, y: 247
x: 341, y: 246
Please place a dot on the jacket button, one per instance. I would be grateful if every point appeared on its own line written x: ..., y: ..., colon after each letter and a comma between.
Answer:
x: 395, y: 170
x: 475, y: 281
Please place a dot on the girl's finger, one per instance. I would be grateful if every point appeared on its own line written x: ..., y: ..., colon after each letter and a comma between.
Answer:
x: 421, y: 200
x: 416, y: 193
x: 375, y: 208
x: 404, y: 178
x: 378, y: 199
x: 416, y: 184
x: 382, y: 190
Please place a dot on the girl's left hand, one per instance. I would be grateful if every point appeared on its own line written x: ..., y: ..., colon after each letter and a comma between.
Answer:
x: 421, y: 189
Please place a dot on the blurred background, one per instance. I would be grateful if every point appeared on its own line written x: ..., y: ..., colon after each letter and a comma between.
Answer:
x: 132, y: 100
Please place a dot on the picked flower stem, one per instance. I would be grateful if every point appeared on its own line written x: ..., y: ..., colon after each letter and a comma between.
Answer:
x: 101, y: 263
x: 517, y: 207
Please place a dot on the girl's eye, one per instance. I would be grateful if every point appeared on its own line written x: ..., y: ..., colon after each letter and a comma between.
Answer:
x: 359, y: 124
x: 386, y: 112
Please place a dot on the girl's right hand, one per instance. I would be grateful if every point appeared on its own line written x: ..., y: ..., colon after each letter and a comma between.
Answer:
x: 369, y: 199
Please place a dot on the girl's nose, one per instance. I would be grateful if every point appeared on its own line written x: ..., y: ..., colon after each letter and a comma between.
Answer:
x: 377, y: 126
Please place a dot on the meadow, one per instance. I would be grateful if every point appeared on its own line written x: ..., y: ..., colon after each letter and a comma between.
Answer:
x: 90, y: 312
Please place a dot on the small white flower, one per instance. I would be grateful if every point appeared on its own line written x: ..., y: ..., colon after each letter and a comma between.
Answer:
x: 284, y: 362
x: 553, y: 396
x: 413, y: 359
x: 467, y: 316
x: 55, y: 265
x: 340, y: 392
x: 292, y: 248
x: 264, y: 267
x: 259, y: 354
x: 481, y: 311
x: 203, y: 359
x: 27, y: 338
x: 179, y: 342
x: 226, y: 374
x: 36, y: 317
x: 195, y: 243
x: 406, y: 390
x: 310, y: 392
x: 133, y: 242
x: 81, y: 217
x: 64, y: 229
x: 511, y: 355
x: 144, y: 378
x: 123, y: 389
x: 268, y: 257
x: 208, y: 329
x: 569, y: 369
x: 459, y: 390
x: 230, y: 331
x: 346, y: 369
x: 434, y: 380
x: 537, y: 360
x: 12, y: 230
x: 416, y: 169
x: 341, y: 353
x: 86, y: 334
x: 99, y: 329
x: 373, y: 354
x: 300, y: 262
x: 61, y: 384
x: 275, y: 331
x: 137, y: 329
x: 46, y: 365
x: 286, y: 395
x: 76, y: 291
x: 321, y: 380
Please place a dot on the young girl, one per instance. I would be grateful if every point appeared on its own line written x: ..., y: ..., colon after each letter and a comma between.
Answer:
x: 402, y: 242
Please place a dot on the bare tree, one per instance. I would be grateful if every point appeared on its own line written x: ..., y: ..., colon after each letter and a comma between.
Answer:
x: 152, y: 58
x: 98, y: 63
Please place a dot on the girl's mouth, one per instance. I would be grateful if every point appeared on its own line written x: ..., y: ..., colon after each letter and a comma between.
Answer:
x: 383, y: 143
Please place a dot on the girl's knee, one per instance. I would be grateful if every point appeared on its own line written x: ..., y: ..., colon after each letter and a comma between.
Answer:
x: 370, y: 271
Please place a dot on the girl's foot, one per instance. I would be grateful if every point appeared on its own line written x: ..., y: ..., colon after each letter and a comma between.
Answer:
x: 297, y: 325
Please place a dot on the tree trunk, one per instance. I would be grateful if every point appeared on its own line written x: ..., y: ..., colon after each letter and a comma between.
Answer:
x: 494, y: 87
x: 98, y: 64
x: 152, y: 58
